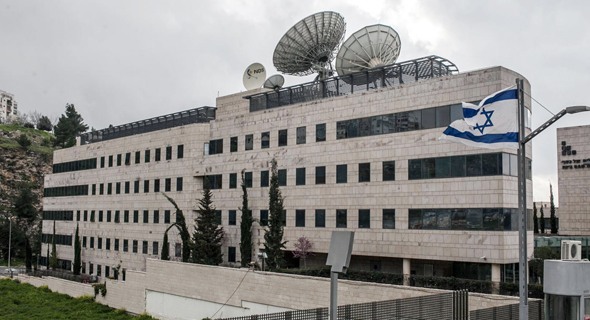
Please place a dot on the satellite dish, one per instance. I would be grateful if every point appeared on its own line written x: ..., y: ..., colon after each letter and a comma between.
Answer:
x: 275, y: 82
x: 310, y: 45
x: 254, y: 76
x: 370, y: 47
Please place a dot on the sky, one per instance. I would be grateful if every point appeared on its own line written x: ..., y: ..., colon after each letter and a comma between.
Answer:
x: 123, y: 61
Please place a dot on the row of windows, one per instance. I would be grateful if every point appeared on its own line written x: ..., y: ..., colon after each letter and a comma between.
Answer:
x: 58, y: 215
x: 68, y: 191
x: 128, y: 216
x: 124, y: 246
x: 125, y: 187
x: 61, y: 264
x: 489, y: 219
x: 61, y: 239
x: 364, y: 218
x: 137, y: 156
x: 74, y: 165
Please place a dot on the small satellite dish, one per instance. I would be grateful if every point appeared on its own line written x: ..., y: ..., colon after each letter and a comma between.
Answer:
x: 309, y: 46
x: 370, y: 47
x: 254, y: 76
x: 275, y: 82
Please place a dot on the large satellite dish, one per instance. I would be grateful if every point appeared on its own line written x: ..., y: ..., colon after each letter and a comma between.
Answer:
x: 275, y: 82
x: 254, y: 76
x: 370, y: 47
x: 309, y: 46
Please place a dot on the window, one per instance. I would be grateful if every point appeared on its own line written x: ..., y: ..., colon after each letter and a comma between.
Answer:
x: 233, y: 144
x: 146, y: 186
x: 94, y: 189
x: 157, y: 185
x: 91, y: 242
x: 179, y: 184
x: 300, y: 177
x: 147, y: 156
x: 145, y: 216
x: 100, y: 216
x: 248, y: 179
x: 109, y: 188
x: 364, y: 219
x: 85, y: 215
x: 233, y: 180
x: 156, y: 216
x: 320, y: 132
x: 119, y: 160
x: 125, y: 245
x: 320, y: 218
x: 218, y: 217
x: 178, y: 250
x: 128, y: 158
x: 341, y: 173
x: 284, y: 222
x: 167, y: 184
x: 78, y: 215
x: 169, y: 153
x: 301, y: 135
x: 264, y: 140
x: 320, y: 175
x: 92, y: 216
x: 282, y: 138
x: 232, y: 217
x: 388, y: 218
x: 155, y: 248
x: 110, y: 161
x: 101, y: 189
x: 98, y: 270
x: 99, y: 243
x: 264, y: 178
x: 109, y: 216
x: 144, y: 248
x: 180, y: 151
x: 137, y: 157
x: 102, y: 162
x: 231, y: 254
x: 134, y: 246
x: 118, y: 187
x: 364, y: 172
x: 127, y: 186
x: 282, y: 177
x: 300, y: 218
x: 215, y: 181
x: 429, y: 118
x: 135, y: 186
x: 158, y: 155
x: 90, y: 268
x: 126, y: 216
x: 388, y: 170
x: 216, y: 146
x: 117, y: 216
x: 249, y: 142
x: 108, y: 244
x: 264, y: 218
x: 84, y: 242
x: 135, y: 216
x: 166, y: 216
x: 341, y: 218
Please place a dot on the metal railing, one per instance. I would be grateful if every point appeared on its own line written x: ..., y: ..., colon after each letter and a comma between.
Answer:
x: 386, y: 76
x: 509, y: 312
x: 197, y: 115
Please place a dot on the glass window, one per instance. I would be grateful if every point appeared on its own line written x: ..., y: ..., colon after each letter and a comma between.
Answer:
x: 388, y: 123
x: 128, y: 158
x: 282, y: 177
x: 249, y: 141
x: 146, y: 186
x: 443, y: 219
x: 169, y: 153
x: 513, y: 165
x: 341, y: 130
x: 563, y: 307
x: 135, y: 186
x: 102, y: 162
x: 320, y: 218
x: 341, y: 173
x: 264, y: 218
x: 166, y: 216
x: 458, y: 168
x: 125, y: 245
x: 300, y: 218
x: 300, y: 177
x: 100, y: 216
x: 456, y: 112
x: 428, y: 168
x: 94, y: 189
x: 474, y: 219
x: 135, y: 216
x: 282, y: 138
x: 429, y: 118
x: 320, y: 175
x: 415, y: 119
x: 180, y: 151
x: 364, y: 219
x: 364, y: 172
x: 320, y: 132
x: 134, y: 246
x: 364, y: 127
x: 264, y: 178
x: 232, y: 217
x: 459, y: 219
x: 491, y: 219
x: 127, y: 186
x: 158, y: 155
x: 110, y: 161
x: 119, y: 159
x: 376, y: 126
x: 473, y: 165
x: 156, y: 216
x: 233, y: 180
x: 168, y: 185
x: 388, y: 170
x: 388, y: 218
x: 109, y: 188
x: 442, y: 167
x: 414, y: 169
x: 178, y: 250
x: 126, y: 216
x: 490, y: 164
x: 284, y: 217
x: 352, y: 128
x: 147, y: 156
x: 218, y: 217
x: 157, y: 185
x: 99, y: 243
x: 109, y: 215
x: 301, y: 135
x: 443, y: 116
x: 145, y: 216
x: 179, y: 184
x: 231, y: 254
x: 428, y: 219
x: 144, y: 247
x: 216, y: 146
x: 265, y: 140
x: 248, y: 179
x: 341, y: 220
x: 233, y: 144
x: 101, y: 188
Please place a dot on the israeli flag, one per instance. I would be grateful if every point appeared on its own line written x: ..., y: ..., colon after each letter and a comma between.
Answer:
x: 493, y: 124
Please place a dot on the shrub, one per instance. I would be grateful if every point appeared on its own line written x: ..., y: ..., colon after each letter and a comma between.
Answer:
x: 45, y: 288
x: 85, y: 298
x: 23, y: 141
x: 102, y: 287
x: 29, y: 125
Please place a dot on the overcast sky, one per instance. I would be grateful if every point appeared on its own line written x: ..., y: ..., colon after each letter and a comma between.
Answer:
x: 122, y: 61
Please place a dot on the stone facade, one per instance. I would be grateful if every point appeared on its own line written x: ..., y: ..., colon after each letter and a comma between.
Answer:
x: 8, y: 106
x: 401, y: 249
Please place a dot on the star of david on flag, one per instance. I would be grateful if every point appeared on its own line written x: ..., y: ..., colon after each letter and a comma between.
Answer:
x: 493, y: 124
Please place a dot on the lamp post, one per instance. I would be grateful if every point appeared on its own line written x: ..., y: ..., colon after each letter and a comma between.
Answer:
x: 9, y: 245
x: 522, y: 227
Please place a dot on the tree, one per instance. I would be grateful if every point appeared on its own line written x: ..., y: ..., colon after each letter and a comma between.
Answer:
x: 53, y: 259
x: 44, y: 124
x: 245, y: 227
x: 77, y: 253
x: 180, y: 224
x: 535, y: 219
x: 165, y: 248
x: 24, y: 141
x: 542, y: 221
x: 273, y: 238
x: 24, y: 209
x: 207, y: 235
x: 303, y: 250
x: 68, y: 127
x: 552, y: 217
x: 542, y: 254
x: 28, y: 254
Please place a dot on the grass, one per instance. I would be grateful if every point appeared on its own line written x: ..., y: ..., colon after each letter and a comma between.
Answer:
x: 24, y: 301
x: 14, y: 262
x: 33, y: 134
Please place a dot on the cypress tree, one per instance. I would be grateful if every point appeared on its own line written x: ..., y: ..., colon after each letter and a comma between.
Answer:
x: 553, y: 218
x: 28, y: 254
x: 535, y: 219
x: 180, y: 224
x: 165, y: 247
x: 207, y: 235
x: 273, y: 238
x: 77, y: 252
x: 245, y: 227
x: 542, y: 221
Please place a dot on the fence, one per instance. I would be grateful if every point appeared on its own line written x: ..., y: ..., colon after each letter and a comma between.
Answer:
x: 509, y: 312
x: 395, y: 74
x: 445, y: 306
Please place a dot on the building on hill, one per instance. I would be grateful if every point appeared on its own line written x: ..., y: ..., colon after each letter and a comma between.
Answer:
x: 359, y: 155
x: 8, y: 106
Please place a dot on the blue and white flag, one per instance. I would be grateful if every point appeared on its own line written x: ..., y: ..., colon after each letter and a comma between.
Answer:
x: 493, y: 124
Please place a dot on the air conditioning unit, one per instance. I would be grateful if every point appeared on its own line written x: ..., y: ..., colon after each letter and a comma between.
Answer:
x: 571, y: 250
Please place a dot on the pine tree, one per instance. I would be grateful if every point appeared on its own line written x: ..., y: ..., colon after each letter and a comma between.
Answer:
x: 165, y: 248
x: 553, y: 218
x: 185, y: 236
x: 273, y: 238
x: 207, y: 235
x: 542, y: 221
x: 53, y: 259
x: 535, y: 219
x: 68, y: 127
x: 28, y: 254
x: 245, y: 227
x: 44, y: 124
x: 77, y: 253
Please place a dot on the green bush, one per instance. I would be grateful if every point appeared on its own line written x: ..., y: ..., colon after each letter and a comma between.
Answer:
x: 45, y: 288
x: 85, y: 298
x: 102, y: 287
x: 24, y: 141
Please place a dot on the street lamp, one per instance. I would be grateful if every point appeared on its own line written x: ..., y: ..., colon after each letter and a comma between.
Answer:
x: 9, y: 245
x: 522, y: 228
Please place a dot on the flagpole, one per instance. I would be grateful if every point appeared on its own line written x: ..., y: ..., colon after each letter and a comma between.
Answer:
x: 522, y: 195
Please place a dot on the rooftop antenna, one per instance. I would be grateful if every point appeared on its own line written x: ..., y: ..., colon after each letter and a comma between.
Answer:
x: 370, y: 47
x: 254, y: 76
x: 310, y: 45
x: 275, y: 82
